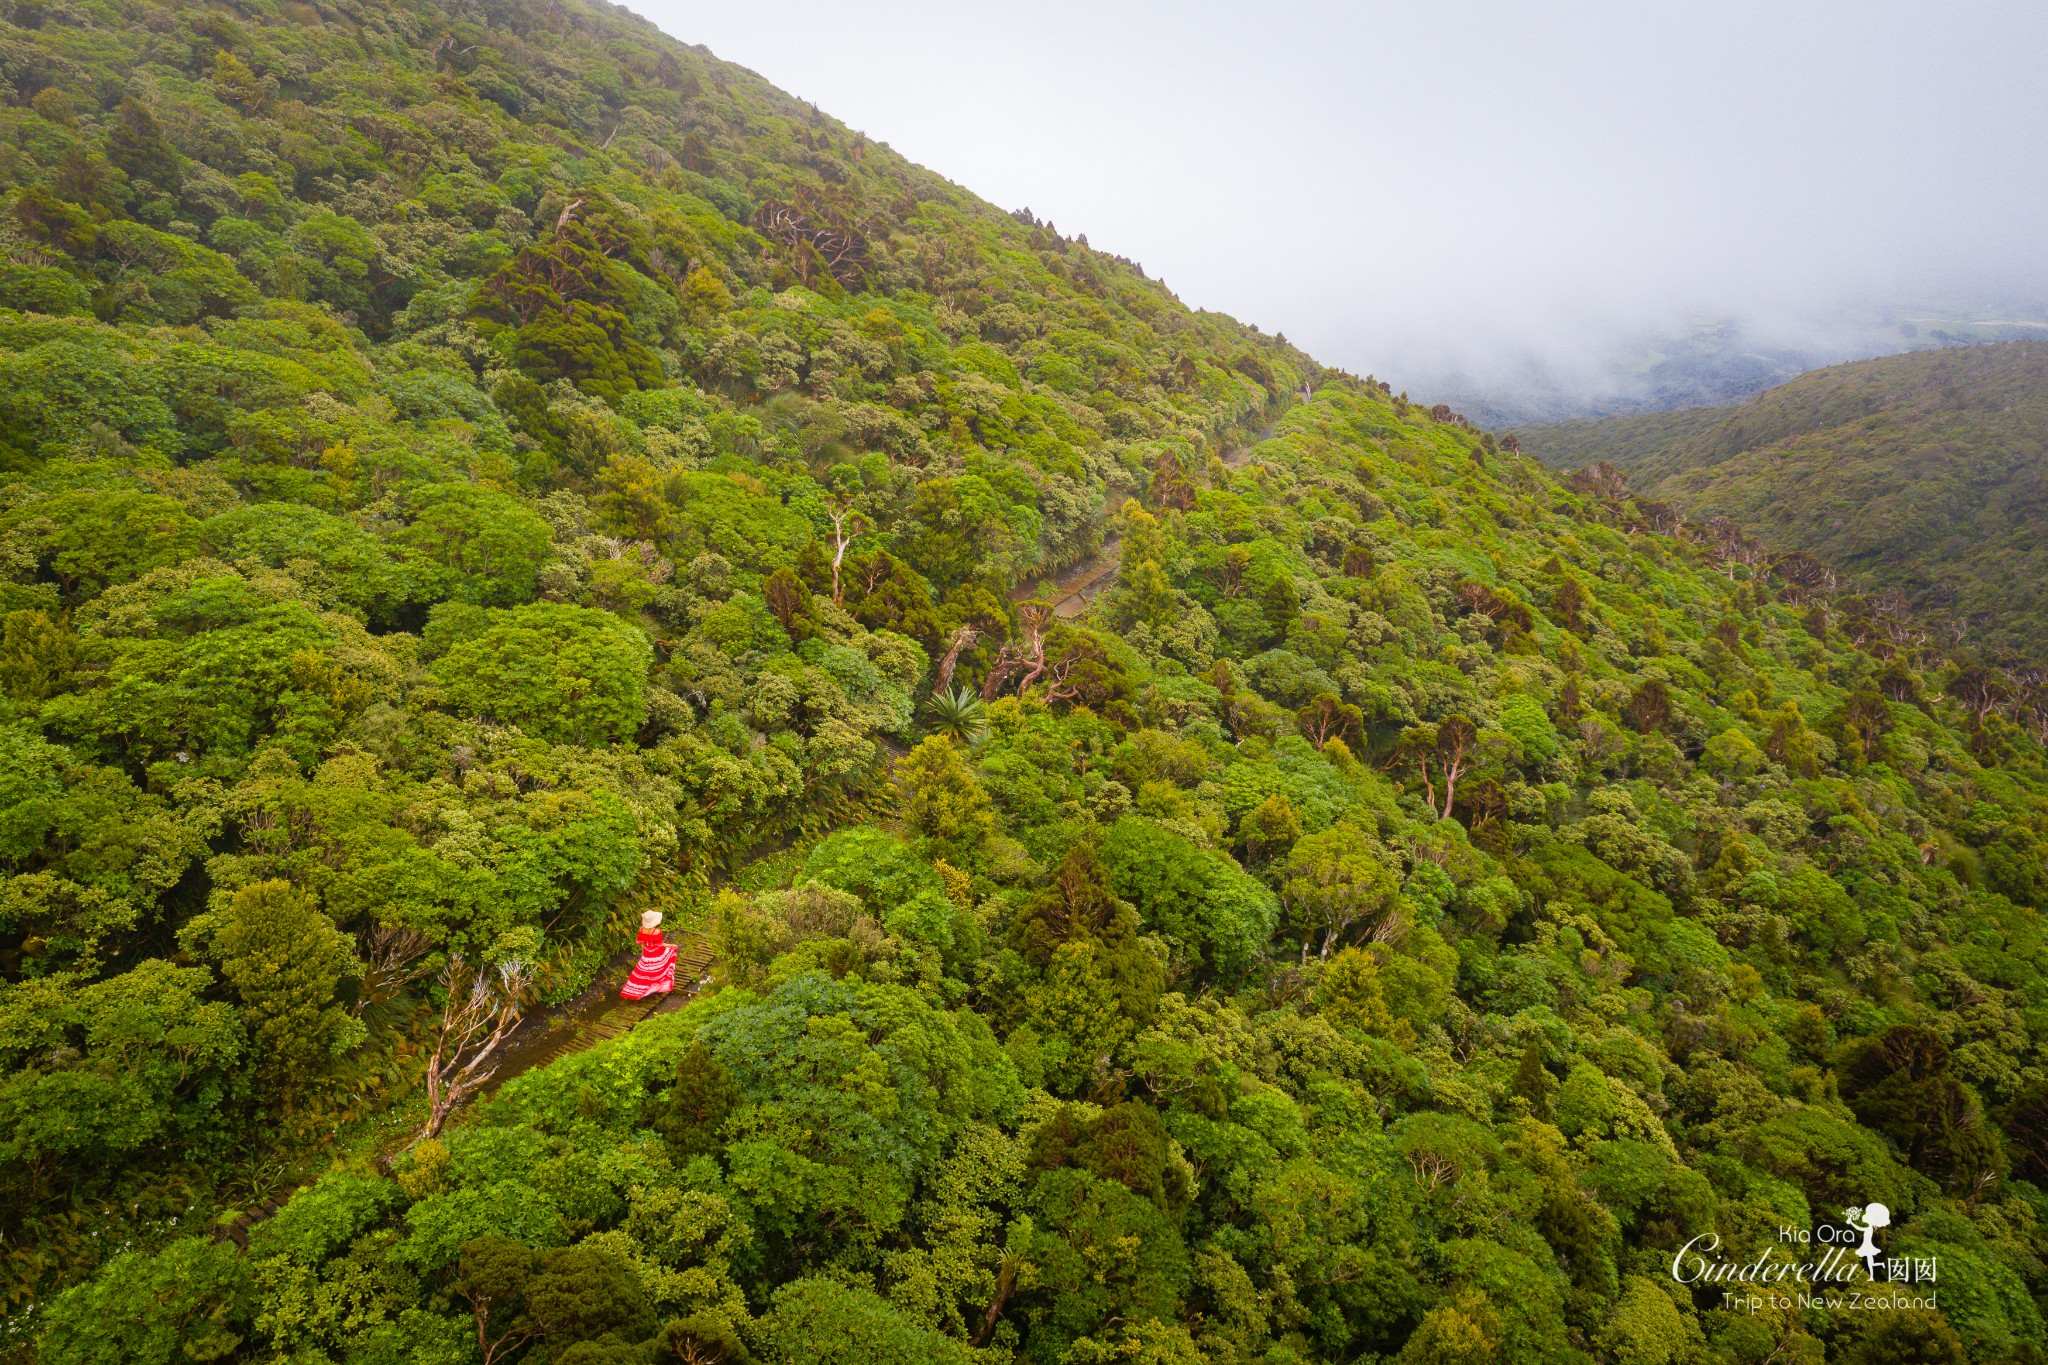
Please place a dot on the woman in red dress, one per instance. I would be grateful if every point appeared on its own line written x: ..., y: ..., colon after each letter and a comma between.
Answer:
x: 655, y: 972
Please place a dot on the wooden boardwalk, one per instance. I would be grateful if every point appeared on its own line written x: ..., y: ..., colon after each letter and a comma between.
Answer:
x: 599, y: 1013
x: 1074, y: 587
x: 592, y: 1017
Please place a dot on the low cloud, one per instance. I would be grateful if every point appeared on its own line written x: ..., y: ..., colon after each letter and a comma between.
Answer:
x: 1473, y: 195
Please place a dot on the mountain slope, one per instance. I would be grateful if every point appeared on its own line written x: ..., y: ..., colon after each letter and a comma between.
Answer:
x: 1623, y: 442
x: 1927, y: 473
x: 477, y: 475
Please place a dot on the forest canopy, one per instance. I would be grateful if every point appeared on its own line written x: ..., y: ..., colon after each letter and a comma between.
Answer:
x: 473, y: 474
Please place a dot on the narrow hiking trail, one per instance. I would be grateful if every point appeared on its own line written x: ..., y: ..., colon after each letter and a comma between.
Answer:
x: 548, y: 1035
x: 599, y: 1014
x: 1074, y: 587
x: 1240, y: 457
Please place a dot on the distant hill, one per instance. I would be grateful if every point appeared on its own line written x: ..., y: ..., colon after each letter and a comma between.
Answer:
x: 1620, y: 441
x: 1923, y: 472
x: 1713, y: 362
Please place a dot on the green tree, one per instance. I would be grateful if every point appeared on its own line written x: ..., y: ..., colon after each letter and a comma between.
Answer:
x: 100, y: 1074
x: 562, y: 673
x: 332, y: 558
x: 585, y: 1294
x: 1443, y: 753
x: 941, y: 799
x: 1348, y: 993
x: 1908, y: 1337
x: 697, y: 1104
x: 1326, y: 718
x: 1900, y: 1085
x: 900, y: 890
x: 853, y: 1091
x: 1076, y: 903
x: 1646, y: 1328
x: 1865, y: 718
x: 960, y: 715
x: 285, y: 959
x: 1791, y: 743
x: 1335, y: 884
x: 1532, y: 1079
x: 1101, y: 1253
x: 194, y: 1300
x: 1212, y: 909
x: 491, y: 1278
x: 1270, y: 828
x: 105, y: 536
x: 790, y: 600
x: 36, y: 656
x: 1143, y: 594
x: 823, y: 1322
x: 473, y: 544
x: 136, y: 144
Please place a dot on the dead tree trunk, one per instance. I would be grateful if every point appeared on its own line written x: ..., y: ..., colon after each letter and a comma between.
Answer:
x: 482, y: 1009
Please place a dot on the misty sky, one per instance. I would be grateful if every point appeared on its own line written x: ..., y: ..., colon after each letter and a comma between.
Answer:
x: 1408, y: 187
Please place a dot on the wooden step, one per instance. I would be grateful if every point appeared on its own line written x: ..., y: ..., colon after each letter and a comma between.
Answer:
x: 593, y: 1017
x: 600, y: 1013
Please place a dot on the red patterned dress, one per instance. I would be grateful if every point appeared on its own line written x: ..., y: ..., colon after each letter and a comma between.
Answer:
x: 656, y: 969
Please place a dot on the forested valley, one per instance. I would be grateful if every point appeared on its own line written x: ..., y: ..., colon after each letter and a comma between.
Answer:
x: 1922, y: 475
x: 476, y: 473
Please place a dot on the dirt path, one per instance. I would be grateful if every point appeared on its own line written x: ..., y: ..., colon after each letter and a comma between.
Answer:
x: 1239, y: 458
x: 1074, y: 587
x: 547, y: 1035
x: 599, y: 1013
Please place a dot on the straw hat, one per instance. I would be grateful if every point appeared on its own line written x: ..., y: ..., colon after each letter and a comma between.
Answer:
x: 650, y: 919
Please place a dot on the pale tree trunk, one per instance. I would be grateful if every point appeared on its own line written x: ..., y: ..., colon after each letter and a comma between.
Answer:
x: 1451, y: 774
x: 842, y: 538
x: 962, y: 638
x: 482, y: 1010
